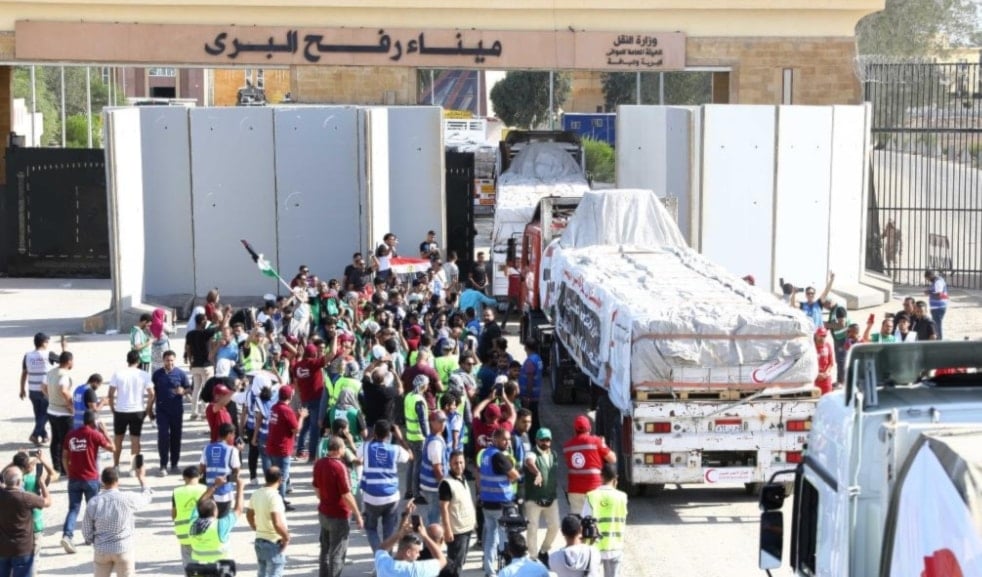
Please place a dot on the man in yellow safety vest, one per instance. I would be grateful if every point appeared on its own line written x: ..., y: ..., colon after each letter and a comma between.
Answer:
x: 609, y: 507
x: 183, y: 503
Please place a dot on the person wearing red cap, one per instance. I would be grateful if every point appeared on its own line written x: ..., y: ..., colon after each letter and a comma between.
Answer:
x: 585, y: 455
x: 826, y: 360
x: 308, y: 375
x: 217, y: 410
x: 283, y: 425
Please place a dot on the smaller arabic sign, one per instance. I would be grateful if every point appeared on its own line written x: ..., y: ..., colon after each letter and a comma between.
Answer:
x: 278, y: 46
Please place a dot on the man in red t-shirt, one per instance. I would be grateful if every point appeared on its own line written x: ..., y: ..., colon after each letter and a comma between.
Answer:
x: 80, y: 459
x: 585, y: 455
x: 217, y: 411
x: 283, y: 425
x: 335, y: 507
x: 826, y: 361
x: 308, y: 375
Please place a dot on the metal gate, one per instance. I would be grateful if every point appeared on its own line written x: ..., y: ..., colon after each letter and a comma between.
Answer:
x: 55, y: 216
x: 925, y: 208
x: 459, y: 186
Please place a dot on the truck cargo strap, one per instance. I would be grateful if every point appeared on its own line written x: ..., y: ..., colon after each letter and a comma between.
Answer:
x: 720, y: 394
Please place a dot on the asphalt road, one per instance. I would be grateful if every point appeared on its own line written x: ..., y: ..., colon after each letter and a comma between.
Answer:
x: 689, y: 531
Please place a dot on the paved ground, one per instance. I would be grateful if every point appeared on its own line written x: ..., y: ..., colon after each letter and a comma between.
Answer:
x: 666, y: 531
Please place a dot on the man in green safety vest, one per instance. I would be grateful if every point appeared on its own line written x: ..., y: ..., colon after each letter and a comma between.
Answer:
x: 183, y: 503
x: 210, y: 533
x: 417, y: 429
x: 609, y: 507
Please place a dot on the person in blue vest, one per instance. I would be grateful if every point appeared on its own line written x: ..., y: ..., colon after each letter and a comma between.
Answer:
x: 261, y: 411
x: 435, y: 466
x: 813, y: 307
x: 169, y: 386
x: 85, y: 397
x: 530, y: 382
x: 253, y: 404
x: 221, y: 459
x: 380, y: 483
x: 497, y: 472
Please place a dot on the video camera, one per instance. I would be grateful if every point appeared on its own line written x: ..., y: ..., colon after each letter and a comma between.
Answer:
x: 512, y: 522
x: 589, y: 530
x: 220, y: 568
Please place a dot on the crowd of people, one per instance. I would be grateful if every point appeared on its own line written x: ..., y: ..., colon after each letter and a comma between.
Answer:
x: 919, y: 320
x: 353, y: 377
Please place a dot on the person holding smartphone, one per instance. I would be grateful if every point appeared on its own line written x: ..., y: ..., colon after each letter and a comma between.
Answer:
x: 411, y: 538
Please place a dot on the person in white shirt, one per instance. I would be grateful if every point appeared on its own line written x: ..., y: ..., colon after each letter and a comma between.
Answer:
x: 131, y: 399
x: 576, y: 559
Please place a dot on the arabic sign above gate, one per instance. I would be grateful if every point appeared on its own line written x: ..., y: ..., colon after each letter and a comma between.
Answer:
x: 221, y: 46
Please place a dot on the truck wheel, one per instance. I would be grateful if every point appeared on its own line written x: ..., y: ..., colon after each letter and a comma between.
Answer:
x: 632, y: 489
x: 562, y: 394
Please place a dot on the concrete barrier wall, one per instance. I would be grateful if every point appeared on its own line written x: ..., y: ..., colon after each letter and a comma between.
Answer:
x: 318, y: 189
x: 375, y: 127
x: 233, y: 197
x: 166, y: 153
x: 417, y: 201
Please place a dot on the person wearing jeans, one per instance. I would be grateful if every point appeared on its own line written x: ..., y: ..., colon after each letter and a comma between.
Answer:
x: 388, y: 514
x: 380, y: 483
x: 34, y: 369
x: 267, y: 516
x: 80, y: 460
x: 335, y: 508
x: 17, y: 523
x: 283, y: 425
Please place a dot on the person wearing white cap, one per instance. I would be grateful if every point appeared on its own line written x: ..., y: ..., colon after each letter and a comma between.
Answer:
x: 417, y: 430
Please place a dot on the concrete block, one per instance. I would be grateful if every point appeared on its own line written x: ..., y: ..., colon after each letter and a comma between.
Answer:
x: 859, y: 296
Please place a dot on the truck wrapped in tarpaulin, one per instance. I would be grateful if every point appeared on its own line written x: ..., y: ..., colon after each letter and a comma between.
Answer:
x: 641, y: 311
x: 700, y: 377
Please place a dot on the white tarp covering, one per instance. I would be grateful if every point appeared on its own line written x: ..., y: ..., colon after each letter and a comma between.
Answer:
x: 637, y: 308
x: 935, y: 529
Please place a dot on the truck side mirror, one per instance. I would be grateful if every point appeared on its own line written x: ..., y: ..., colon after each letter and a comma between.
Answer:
x: 772, y: 496
x: 771, y: 539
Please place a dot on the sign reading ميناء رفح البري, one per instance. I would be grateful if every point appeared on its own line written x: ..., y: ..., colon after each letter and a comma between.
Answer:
x: 40, y: 41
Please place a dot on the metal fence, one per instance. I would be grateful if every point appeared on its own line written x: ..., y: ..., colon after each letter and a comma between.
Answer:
x: 925, y: 208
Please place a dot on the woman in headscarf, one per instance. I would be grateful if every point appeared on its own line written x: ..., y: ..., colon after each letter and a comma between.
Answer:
x: 160, y: 330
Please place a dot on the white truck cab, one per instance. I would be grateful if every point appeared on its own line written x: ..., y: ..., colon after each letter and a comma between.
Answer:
x: 891, y: 480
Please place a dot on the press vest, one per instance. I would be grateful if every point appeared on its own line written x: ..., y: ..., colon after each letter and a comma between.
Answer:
x: 78, y: 401
x: 494, y: 488
x: 380, y: 477
x: 583, y: 463
x: 207, y: 547
x: 185, y: 500
x: 37, y: 368
x: 463, y: 517
x: 414, y: 433
x: 427, y: 474
x: 218, y: 458
x: 609, y: 507
x: 266, y: 408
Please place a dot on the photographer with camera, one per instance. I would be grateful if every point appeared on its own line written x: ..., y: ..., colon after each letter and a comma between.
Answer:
x: 411, y: 537
x: 609, y: 506
x: 576, y: 559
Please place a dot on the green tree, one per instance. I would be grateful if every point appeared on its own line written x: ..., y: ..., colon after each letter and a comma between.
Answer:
x: 521, y: 99
x: 917, y: 28
x: 75, y: 131
x: 681, y: 88
x: 599, y: 160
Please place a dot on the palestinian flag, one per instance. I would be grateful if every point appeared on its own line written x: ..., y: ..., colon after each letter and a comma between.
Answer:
x: 263, y: 264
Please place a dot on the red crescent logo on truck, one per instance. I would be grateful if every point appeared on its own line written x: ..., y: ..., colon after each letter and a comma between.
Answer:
x: 770, y: 371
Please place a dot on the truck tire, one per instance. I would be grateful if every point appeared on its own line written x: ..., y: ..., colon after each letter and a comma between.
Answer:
x: 562, y: 394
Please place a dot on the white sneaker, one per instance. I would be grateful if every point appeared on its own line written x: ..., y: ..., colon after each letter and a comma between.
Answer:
x: 254, y: 482
x: 68, y: 545
x: 162, y: 472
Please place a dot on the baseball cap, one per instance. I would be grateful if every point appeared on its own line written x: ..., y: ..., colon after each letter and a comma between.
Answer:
x: 581, y: 424
x: 501, y: 380
x: 286, y: 391
x: 310, y: 350
x: 492, y: 411
x: 379, y: 353
x: 40, y: 339
x: 543, y: 433
x: 221, y: 390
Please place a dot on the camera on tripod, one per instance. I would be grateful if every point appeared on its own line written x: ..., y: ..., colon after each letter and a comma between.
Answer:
x: 220, y: 568
x: 513, y: 523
